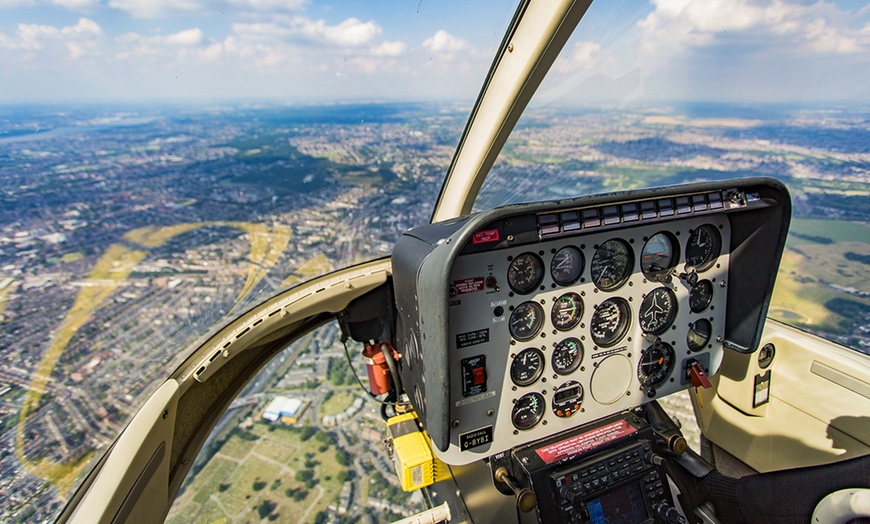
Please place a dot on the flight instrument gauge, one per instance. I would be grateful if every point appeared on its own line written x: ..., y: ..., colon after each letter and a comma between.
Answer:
x: 528, y: 411
x: 525, y: 273
x: 699, y: 334
x: 567, y: 399
x: 526, y: 321
x: 567, y: 356
x: 567, y: 265
x: 567, y: 311
x: 656, y: 364
x: 659, y: 256
x: 527, y: 367
x: 611, y: 265
x: 657, y: 311
x: 700, y: 296
x: 610, y: 321
x: 704, y: 246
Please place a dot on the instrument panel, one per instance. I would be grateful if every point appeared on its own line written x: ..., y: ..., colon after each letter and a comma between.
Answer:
x: 526, y: 320
x: 551, y: 334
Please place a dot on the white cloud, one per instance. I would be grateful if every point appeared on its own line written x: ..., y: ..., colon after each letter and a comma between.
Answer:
x: 156, y: 8
x: 77, y: 5
x: 389, y: 49
x: 270, y: 5
x: 188, y: 37
x: 444, y: 42
x: 349, y: 33
x: 75, y: 40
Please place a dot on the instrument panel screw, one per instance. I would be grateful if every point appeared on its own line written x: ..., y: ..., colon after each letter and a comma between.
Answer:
x: 721, y: 283
x: 489, y: 412
x: 511, y: 47
x: 455, y: 423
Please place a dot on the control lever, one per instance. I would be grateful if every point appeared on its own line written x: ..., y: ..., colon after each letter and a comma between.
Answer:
x: 664, y: 427
x: 670, y: 514
x: 526, y: 499
x: 699, y: 379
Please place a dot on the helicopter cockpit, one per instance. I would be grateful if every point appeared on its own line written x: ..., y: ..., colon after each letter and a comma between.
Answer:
x: 519, y: 353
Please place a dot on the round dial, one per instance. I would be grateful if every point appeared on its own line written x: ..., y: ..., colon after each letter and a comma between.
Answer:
x: 525, y: 273
x: 657, y: 311
x: 526, y: 321
x: 610, y: 321
x: 700, y: 296
x: 659, y: 256
x: 527, y: 367
x: 567, y: 399
x: 699, y: 334
x: 566, y: 311
x: 567, y: 265
x: 611, y: 265
x: 656, y: 363
x: 528, y: 411
x: 703, y: 247
x: 567, y: 356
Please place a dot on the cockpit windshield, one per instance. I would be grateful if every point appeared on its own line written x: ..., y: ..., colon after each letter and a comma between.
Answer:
x: 166, y: 167
x: 647, y: 95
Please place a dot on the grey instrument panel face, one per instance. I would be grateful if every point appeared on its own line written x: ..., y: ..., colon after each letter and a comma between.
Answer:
x: 549, y: 335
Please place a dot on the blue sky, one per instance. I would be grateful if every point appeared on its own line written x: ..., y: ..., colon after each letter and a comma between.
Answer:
x: 730, y: 50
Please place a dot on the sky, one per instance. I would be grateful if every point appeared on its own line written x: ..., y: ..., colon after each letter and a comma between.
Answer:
x: 622, y: 51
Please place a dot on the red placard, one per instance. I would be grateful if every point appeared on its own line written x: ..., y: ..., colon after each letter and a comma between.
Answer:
x: 485, y: 236
x: 585, y: 441
x: 468, y: 285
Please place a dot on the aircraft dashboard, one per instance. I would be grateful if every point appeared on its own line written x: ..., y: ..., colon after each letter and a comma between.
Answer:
x: 526, y: 321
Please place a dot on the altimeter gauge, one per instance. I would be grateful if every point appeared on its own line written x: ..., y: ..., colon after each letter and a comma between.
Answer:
x: 703, y: 247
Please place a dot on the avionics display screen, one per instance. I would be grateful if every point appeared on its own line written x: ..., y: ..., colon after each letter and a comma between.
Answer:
x: 624, y: 505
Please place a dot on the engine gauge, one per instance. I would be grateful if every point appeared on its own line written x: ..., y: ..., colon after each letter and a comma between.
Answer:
x: 525, y: 273
x: 527, y: 367
x: 610, y: 321
x: 659, y: 256
x: 567, y: 399
x: 611, y: 265
x: 567, y: 311
x: 703, y: 247
x: 528, y: 411
x: 700, y: 296
x: 656, y: 364
x: 699, y: 334
x: 657, y: 311
x: 567, y: 265
x: 526, y: 321
x: 567, y: 356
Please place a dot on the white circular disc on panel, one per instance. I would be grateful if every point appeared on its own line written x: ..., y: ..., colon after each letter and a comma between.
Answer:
x: 611, y: 379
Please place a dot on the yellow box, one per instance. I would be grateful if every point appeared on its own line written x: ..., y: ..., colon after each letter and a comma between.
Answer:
x: 416, y: 465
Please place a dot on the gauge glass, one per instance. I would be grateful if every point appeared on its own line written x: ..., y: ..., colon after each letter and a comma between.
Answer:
x: 528, y: 411
x: 610, y: 321
x: 567, y: 399
x: 567, y: 311
x: 656, y: 363
x: 526, y: 321
x: 703, y: 248
x: 659, y: 256
x: 700, y: 296
x: 657, y: 311
x: 527, y: 367
x: 611, y: 265
x: 699, y: 334
x: 525, y: 273
x: 567, y: 265
x: 567, y: 356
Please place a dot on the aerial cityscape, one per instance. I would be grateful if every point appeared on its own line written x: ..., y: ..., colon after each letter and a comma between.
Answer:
x: 129, y: 233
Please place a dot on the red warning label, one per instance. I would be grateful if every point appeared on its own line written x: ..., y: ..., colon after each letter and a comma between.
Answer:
x: 468, y: 285
x: 485, y: 236
x: 585, y: 441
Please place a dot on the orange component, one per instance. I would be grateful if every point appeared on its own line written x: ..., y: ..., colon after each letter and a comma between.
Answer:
x: 376, y: 366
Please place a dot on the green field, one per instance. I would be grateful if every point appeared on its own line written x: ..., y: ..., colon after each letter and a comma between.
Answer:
x: 260, y: 469
x: 815, y: 274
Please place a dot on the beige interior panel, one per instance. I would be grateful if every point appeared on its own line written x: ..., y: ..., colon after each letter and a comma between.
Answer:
x: 819, y: 408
